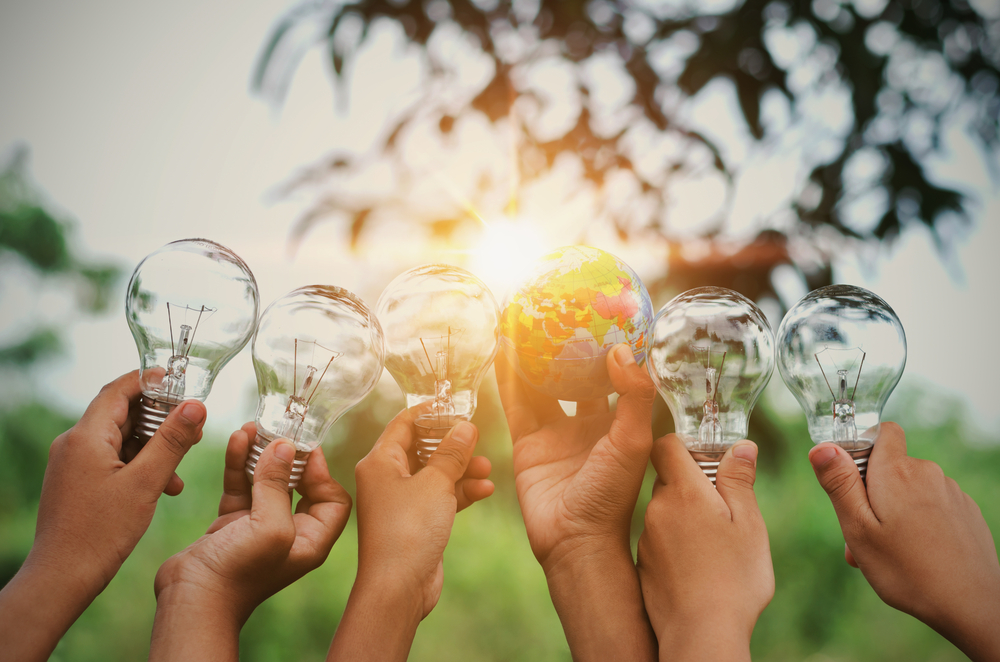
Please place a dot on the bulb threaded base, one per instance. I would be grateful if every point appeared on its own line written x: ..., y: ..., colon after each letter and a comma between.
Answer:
x: 152, y: 412
x: 260, y: 442
x: 431, y: 429
x: 708, y: 461
x: 861, y: 459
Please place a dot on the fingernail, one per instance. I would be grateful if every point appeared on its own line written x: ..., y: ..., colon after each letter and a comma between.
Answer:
x: 822, y: 456
x: 193, y: 412
x: 285, y: 452
x: 463, y: 432
x: 623, y: 355
x: 746, y: 452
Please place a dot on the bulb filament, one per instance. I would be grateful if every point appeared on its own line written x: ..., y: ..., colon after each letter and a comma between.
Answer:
x: 298, y: 401
x: 444, y: 407
x: 845, y: 430
x: 710, y: 430
x: 177, y: 364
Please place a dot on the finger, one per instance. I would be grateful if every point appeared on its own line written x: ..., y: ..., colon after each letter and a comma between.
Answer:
x: 272, y: 502
x: 674, y: 464
x: 226, y: 519
x: 849, y: 557
x: 471, y: 490
x: 735, y: 478
x: 111, y: 408
x: 395, y: 445
x: 631, y: 432
x: 174, y: 486
x: 454, y: 453
x: 157, y: 461
x: 237, y: 490
x: 317, y: 486
x: 479, y: 467
x: 325, y: 507
x: 525, y: 412
x: 839, y: 476
x: 890, y: 447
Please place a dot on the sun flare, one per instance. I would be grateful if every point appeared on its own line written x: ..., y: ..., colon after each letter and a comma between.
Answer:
x: 506, y: 251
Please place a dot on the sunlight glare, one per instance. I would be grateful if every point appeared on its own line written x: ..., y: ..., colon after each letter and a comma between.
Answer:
x: 506, y: 251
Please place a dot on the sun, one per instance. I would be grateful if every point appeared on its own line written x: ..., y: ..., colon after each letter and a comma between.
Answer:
x: 505, y: 252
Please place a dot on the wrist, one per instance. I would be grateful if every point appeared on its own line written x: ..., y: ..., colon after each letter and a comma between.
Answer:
x: 586, y: 553
x: 197, y: 601
x: 704, y: 639
x: 379, y: 621
x: 193, y: 623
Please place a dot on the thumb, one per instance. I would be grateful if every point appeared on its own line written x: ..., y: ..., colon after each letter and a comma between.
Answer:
x: 271, y: 497
x: 839, y: 476
x: 155, y: 464
x: 735, y: 478
x: 632, y: 428
x: 454, y: 452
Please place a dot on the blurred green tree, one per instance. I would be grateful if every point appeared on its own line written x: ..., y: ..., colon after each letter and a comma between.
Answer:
x: 857, y: 92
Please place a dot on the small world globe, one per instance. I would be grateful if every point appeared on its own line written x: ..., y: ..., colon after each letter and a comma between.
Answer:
x: 559, y: 323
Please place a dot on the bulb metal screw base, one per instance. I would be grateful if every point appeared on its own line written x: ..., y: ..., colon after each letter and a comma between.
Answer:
x: 298, y: 464
x: 708, y: 461
x: 861, y: 459
x: 152, y: 412
x: 431, y: 429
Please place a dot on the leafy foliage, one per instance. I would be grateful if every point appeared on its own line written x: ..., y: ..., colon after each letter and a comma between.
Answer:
x: 904, y: 70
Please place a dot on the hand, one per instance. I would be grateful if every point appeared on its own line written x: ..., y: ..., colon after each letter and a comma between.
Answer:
x: 704, y: 557
x: 578, y: 479
x: 919, y: 540
x: 404, y: 522
x: 92, y: 512
x: 253, y: 550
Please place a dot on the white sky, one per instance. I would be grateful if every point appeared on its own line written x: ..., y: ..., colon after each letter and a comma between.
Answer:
x: 141, y: 127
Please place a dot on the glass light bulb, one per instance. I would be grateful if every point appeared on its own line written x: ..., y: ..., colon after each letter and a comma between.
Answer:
x: 441, y: 330
x: 192, y: 306
x: 317, y: 352
x: 841, y: 351
x: 712, y: 354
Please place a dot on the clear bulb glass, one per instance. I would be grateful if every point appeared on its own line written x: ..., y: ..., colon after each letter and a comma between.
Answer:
x: 317, y: 352
x: 841, y: 352
x: 441, y: 330
x: 712, y: 354
x: 192, y: 306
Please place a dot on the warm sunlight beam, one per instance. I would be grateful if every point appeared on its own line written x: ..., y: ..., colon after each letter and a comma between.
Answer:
x: 506, y: 251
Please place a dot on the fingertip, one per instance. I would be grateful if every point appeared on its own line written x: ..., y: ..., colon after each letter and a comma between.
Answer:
x: 821, y: 454
x: 174, y: 486
x: 193, y: 412
x: 746, y: 450
x: 849, y: 557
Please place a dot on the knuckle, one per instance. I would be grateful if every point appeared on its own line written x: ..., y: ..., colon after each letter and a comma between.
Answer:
x: 838, y: 484
x: 451, y: 456
x: 175, y: 440
x: 741, y: 474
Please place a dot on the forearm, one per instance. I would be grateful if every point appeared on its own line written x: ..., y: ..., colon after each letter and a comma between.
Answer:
x: 703, y: 641
x: 973, y: 626
x: 188, y: 626
x: 378, y: 624
x: 599, y: 602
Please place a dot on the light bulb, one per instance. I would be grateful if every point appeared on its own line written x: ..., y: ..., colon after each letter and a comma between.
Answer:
x: 712, y: 354
x: 192, y: 306
x: 841, y: 351
x: 441, y: 330
x: 317, y: 352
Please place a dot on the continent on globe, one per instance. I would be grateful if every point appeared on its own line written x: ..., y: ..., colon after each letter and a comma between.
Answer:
x: 559, y: 323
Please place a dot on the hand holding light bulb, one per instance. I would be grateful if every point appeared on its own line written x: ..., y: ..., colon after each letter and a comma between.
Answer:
x: 441, y: 327
x: 711, y: 355
x: 405, y: 516
x: 919, y: 540
x: 841, y: 352
x: 257, y: 546
x: 192, y: 306
x: 91, y: 514
x: 704, y: 559
x: 317, y: 352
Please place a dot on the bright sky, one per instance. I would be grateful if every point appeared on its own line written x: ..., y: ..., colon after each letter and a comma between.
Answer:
x: 141, y: 126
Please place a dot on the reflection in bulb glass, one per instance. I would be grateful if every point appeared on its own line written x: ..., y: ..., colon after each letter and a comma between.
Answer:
x: 191, y: 307
x: 441, y: 329
x: 712, y: 354
x: 841, y: 352
x: 317, y: 352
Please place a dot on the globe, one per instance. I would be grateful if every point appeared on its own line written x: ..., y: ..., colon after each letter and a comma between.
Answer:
x: 559, y: 323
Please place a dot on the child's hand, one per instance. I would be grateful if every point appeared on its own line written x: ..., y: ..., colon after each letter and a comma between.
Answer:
x: 404, y: 522
x: 919, y: 540
x: 704, y: 557
x: 92, y: 512
x: 578, y: 478
x: 254, y: 549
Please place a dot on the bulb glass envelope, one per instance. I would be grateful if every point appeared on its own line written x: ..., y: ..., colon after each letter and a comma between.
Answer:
x: 441, y: 328
x: 841, y: 352
x: 192, y: 306
x: 317, y: 352
x: 711, y: 355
